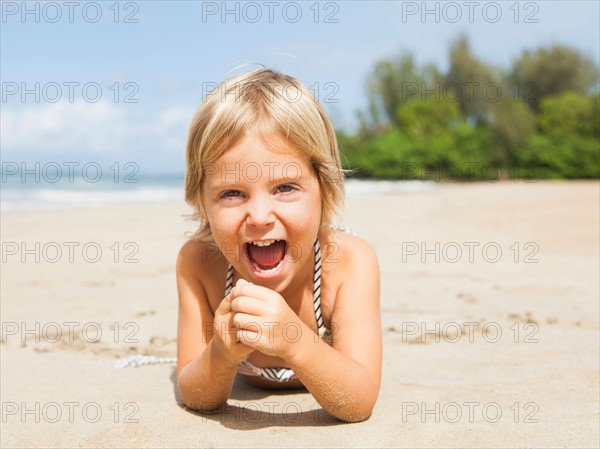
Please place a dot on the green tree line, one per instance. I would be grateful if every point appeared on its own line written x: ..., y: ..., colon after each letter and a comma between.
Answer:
x: 538, y: 118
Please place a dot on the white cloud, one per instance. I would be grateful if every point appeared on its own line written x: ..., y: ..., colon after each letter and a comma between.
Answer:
x: 81, y: 127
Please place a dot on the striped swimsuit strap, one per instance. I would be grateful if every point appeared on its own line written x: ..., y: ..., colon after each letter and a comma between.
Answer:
x: 284, y: 374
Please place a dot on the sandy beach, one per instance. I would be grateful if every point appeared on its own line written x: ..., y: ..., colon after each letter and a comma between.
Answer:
x: 490, y: 314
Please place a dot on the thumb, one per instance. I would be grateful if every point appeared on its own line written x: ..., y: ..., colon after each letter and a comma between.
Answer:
x: 240, y: 282
x: 224, y: 306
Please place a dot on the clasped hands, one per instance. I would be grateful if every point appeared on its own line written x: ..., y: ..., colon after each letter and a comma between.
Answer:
x: 254, y: 318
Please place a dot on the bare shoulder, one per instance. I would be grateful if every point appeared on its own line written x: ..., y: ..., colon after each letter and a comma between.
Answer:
x: 200, y: 257
x: 189, y: 250
x: 350, y: 251
x: 350, y: 268
x: 204, y: 265
x: 190, y: 257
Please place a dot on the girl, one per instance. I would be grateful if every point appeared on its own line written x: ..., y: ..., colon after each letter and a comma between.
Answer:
x: 268, y: 288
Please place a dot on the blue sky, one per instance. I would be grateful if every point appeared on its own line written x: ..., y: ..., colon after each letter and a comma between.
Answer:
x: 175, y: 48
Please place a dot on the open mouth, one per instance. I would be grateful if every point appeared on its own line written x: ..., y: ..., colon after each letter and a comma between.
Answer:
x: 265, y: 256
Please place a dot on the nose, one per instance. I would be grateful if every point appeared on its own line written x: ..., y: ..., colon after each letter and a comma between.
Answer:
x: 260, y: 211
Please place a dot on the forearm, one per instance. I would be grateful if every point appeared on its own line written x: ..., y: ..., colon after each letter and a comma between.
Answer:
x: 205, y: 383
x: 340, y: 385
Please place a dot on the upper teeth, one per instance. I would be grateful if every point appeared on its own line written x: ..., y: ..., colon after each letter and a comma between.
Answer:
x: 263, y: 242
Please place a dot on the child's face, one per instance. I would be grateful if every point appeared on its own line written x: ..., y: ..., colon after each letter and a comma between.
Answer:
x: 253, y: 194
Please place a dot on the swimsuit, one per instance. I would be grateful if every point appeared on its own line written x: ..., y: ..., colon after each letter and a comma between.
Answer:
x: 285, y: 374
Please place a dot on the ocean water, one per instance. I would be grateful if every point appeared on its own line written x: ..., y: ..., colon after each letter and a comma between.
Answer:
x: 36, y: 194
x: 77, y: 192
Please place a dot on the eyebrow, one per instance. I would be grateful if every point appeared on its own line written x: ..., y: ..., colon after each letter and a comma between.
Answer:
x: 222, y: 186
x: 234, y: 185
x: 236, y: 179
x: 283, y: 180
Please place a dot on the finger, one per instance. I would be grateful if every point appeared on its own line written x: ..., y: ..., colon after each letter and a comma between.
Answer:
x: 246, y: 322
x: 224, y: 306
x: 248, y: 337
x: 253, y: 290
x: 246, y: 304
x: 239, y: 288
x: 231, y: 327
x: 235, y: 291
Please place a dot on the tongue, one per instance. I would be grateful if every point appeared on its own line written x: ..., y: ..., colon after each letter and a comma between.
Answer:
x: 267, y: 257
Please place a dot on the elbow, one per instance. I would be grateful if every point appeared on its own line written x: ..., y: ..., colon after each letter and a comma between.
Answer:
x: 203, y: 407
x: 355, y: 416
x: 196, y: 403
x: 355, y: 412
x: 193, y: 399
x: 360, y: 407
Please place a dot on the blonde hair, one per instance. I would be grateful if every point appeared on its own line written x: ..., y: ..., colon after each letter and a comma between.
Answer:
x: 266, y: 101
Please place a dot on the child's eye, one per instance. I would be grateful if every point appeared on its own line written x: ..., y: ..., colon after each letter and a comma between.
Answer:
x: 285, y: 188
x: 230, y: 194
